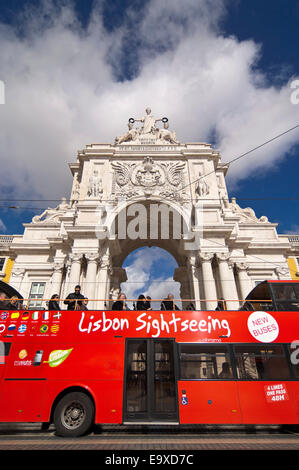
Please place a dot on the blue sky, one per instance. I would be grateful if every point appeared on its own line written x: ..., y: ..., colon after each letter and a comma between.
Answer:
x: 150, y: 272
x: 221, y: 70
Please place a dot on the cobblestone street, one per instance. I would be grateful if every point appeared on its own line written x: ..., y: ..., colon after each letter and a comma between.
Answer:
x: 30, y: 437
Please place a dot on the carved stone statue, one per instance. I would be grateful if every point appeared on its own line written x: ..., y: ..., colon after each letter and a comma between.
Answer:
x: 128, y: 136
x: 201, y: 187
x: 148, y: 122
x: 247, y: 214
x: 95, y: 189
x: 166, y: 134
x: 52, y: 215
x: 114, y: 292
x: 148, y: 132
x: 76, y: 191
x: 223, y: 198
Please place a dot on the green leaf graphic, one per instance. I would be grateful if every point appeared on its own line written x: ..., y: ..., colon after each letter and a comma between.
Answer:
x: 58, y: 356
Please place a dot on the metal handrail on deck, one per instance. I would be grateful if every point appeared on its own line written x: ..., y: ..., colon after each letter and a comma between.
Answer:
x: 24, y: 304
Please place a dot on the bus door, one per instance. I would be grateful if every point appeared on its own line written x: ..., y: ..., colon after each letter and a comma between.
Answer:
x: 4, y: 351
x: 150, y: 387
x: 23, y: 385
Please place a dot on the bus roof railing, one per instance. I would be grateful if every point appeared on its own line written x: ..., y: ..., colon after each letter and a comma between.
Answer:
x: 31, y: 299
x: 37, y: 303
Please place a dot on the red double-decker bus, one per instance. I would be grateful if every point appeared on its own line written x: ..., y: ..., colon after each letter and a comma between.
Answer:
x: 77, y: 368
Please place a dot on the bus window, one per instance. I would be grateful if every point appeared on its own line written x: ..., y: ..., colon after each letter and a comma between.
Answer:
x: 4, y: 351
x: 136, y: 376
x: 294, y: 357
x: 199, y: 361
x: 286, y: 296
x: 263, y: 362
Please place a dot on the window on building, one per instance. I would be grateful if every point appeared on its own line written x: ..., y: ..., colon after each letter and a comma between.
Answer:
x: 36, y: 292
x: 2, y: 264
x: 205, y: 362
x: 263, y: 362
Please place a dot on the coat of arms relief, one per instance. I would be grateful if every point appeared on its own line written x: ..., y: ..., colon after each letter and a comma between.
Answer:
x: 149, y: 178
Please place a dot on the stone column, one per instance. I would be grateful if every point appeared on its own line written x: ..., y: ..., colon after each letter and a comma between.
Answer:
x: 57, y: 277
x: 104, y: 281
x: 75, y: 271
x: 195, y: 277
x: 91, y: 278
x: 65, y: 282
x: 208, y: 280
x: 227, y: 280
x: 244, y: 280
x: 181, y: 275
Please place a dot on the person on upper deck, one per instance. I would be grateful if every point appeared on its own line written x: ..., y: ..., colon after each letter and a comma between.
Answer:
x: 148, y: 303
x: 142, y: 303
x: 120, y: 303
x: 221, y: 305
x: 74, y: 300
x: 3, y: 301
x: 168, y: 303
x: 14, y: 303
x: 54, y: 304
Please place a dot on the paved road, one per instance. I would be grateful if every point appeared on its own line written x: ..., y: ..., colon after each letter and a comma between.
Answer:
x: 109, y: 438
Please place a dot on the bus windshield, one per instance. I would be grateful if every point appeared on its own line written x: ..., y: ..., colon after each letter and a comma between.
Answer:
x: 259, y: 298
x: 279, y: 296
x: 286, y: 296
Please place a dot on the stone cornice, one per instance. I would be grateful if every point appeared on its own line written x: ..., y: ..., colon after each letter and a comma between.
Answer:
x: 24, y: 245
x: 270, y: 245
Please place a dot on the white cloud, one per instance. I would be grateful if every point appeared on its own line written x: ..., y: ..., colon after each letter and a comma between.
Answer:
x: 61, y: 90
x: 160, y: 288
x: 2, y: 226
x: 143, y: 267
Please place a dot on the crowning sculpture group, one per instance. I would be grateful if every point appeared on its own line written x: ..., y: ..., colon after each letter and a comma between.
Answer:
x: 148, y: 130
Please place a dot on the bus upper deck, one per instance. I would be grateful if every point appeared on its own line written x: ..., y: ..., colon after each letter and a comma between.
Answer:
x: 269, y: 295
x: 76, y: 368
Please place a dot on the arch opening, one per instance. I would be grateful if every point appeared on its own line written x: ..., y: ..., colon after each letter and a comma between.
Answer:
x: 150, y: 271
x: 153, y: 233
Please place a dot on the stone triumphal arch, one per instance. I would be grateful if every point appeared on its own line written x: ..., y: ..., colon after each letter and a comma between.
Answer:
x: 147, y: 188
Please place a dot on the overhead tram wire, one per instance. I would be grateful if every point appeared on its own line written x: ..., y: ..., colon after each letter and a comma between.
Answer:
x: 289, y: 198
x: 252, y: 256
x: 242, y: 155
x: 189, y: 184
x: 179, y: 190
x: 260, y: 260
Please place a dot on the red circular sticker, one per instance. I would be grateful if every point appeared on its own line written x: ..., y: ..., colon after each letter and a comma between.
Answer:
x: 263, y: 327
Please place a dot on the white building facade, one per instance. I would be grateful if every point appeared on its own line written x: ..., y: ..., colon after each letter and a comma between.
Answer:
x: 120, y: 196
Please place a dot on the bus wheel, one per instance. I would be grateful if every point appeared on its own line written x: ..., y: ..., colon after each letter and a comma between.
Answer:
x: 73, y: 415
